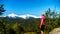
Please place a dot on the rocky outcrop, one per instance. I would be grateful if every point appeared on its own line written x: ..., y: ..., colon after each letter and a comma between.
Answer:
x: 55, y: 31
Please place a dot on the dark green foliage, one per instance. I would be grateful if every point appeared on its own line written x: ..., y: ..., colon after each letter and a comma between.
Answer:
x: 19, y: 25
x: 2, y: 9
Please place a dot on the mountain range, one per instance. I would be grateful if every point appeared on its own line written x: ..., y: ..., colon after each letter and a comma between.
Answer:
x: 12, y: 15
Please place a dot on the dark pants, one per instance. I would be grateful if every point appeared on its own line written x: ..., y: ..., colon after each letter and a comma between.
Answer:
x: 42, y: 27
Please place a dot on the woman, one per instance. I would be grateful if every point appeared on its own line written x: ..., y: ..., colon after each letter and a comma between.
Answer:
x: 42, y: 24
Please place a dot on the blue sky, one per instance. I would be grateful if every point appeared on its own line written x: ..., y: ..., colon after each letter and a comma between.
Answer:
x: 34, y: 7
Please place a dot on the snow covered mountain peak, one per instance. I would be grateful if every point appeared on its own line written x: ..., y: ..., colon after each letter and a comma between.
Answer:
x: 27, y: 16
x: 22, y: 16
x: 12, y: 15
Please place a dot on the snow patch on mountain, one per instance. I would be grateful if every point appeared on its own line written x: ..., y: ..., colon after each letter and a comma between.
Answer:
x: 12, y: 15
x: 28, y: 15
